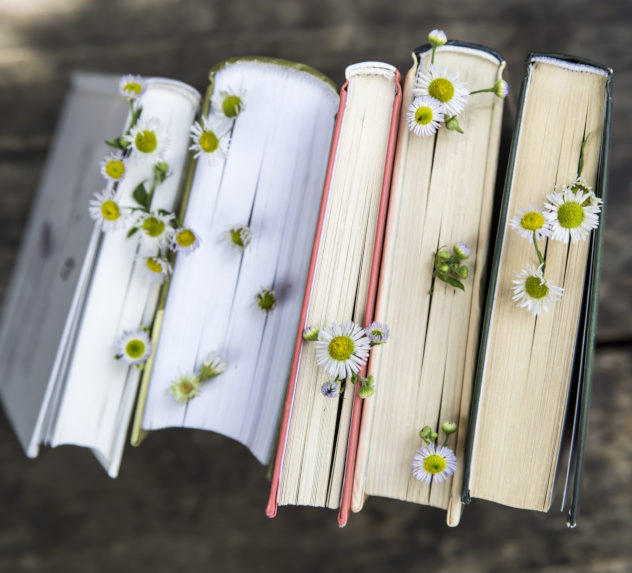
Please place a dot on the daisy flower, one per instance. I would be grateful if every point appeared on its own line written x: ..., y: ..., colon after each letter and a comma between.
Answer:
x: 445, y: 87
x: 208, y: 139
x: 212, y: 366
x: 266, y: 300
x: 529, y: 219
x: 342, y: 349
x: 155, y: 228
x: 106, y: 211
x: 228, y: 102
x: 581, y: 186
x: 134, y: 347
x: 156, y: 269
x: 239, y: 237
x: 113, y: 167
x: 148, y: 140
x: 131, y: 86
x: 533, y: 292
x: 571, y: 215
x: 424, y: 116
x: 185, y: 387
x: 377, y: 332
x: 330, y: 389
x: 433, y: 463
x: 437, y: 38
x: 184, y: 240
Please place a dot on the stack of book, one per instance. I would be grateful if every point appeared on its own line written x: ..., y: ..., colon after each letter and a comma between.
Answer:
x: 334, y: 279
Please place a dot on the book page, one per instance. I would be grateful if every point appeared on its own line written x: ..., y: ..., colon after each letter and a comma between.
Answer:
x: 442, y: 192
x: 528, y: 359
x: 270, y: 181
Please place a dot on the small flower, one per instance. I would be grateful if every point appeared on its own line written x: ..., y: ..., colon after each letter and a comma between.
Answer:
x: 184, y: 240
x: 132, y: 87
x: 113, y: 167
x: 366, y: 390
x: 528, y: 220
x: 209, y: 139
x: 569, y: 215
x: 445, y: 87
x: 579, y: 185
x: 106, y: 211
x: 155, y: 228
x: 185, y: 387
x: 342, y: 349
x: 156, y: 269
x: 239, y: 237
x: 448, y: 427
x: 533, y: 292
x: 147, y: 139
x: 212, y: 366
x: 266, y: 300
x: 437, y: 38
x: 501, y: 89
x: 330, y: 389
x: 461, y: 250
x: 433, y: 463
x: 134, y: 347
x: 229, y: 103
x: 377, y: 332
x: 310, y: 333
x: 424, y: 116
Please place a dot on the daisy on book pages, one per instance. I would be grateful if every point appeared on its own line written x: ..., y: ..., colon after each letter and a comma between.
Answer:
x: 113, y: 167
x: 184, y: 388
x: 228, y: 102
x: 184, y: 240
x: 154, y: 268
x: 148, y: 140
x: 131, y: 86
x: 530, y: 220
x: 209, y: 139
x: 572, y: 215
x: 155, y: 228
x: 107, y: 212
x: 533, y: 292
x: 432, y: 462
x: 134, y: 347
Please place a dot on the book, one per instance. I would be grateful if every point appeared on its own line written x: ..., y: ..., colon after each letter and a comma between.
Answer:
x: 534, y: 372
x: 78, y: 292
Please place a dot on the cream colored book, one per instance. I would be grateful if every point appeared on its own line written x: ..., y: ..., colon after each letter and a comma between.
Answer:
x: 442, y: 193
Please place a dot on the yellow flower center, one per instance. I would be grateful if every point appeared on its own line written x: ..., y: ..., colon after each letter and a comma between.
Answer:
x: 266, y: 300
x: 341, y: 348
x: 579, y: 187
x: 154, y: 265
x: 535, y: 289
x: 236, y: 237
x: 209, y: 142
x: 231, y: 106
x: 423, y: 115
x: 186, y: 387
x: 441, y: 89
x: 434, y: 464
x: 570, y: 215
x: 146, y: 141
x: 532, y: 221
x: 153, y: 226
x: 185, y: 238
x: 132, y: 87
x: 135, y: 348
x: 115, y: 168
x: 110, y: 210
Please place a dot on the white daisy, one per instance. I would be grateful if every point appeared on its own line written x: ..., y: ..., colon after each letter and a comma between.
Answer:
x: 185, y: 387
x: 131, y: 86
x: 239, y: 237
x: 107, y: 211
x: 156, y: 269
x: 134, y: 347
x: 230, y: 103
x: 378, y: 332
x: 184, y: 240
x: 155, y: 229
x: 148, y: 140
x: 433, y: 463
x: 212, y: 366
x: 342, y: 349
x: 529, y: 219
x: 579, y: 185
x: 424, y: 116
x: 210, y: 139
x: 571, y: 215
x: 444, y: 86
x: 533, y: 292
x: 113, y: 166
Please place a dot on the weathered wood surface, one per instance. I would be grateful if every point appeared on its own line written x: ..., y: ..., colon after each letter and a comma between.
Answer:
x: 196, y: 500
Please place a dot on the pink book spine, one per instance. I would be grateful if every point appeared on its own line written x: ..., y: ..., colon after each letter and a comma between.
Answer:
x: 354, y: 430
x: 271, y: 509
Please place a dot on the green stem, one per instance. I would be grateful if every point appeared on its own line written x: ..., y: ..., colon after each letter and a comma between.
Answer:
x: 540, y: 257
x: 482, y: 91
x: 434, y: 49
x: 150, y: 194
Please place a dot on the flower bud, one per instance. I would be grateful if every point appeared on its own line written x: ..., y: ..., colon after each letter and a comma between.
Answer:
x: 448, y: 427
x: 501, y: 88
x: 437, y: 38
x: 425, y: 432
x: 463, y: 272
x: 366, y: 391
x: 310, y: 333
x: 444, y: 268
x: 461, y: 250
x: 452, y: 124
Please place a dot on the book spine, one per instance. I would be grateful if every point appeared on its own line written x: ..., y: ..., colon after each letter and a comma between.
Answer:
x: 354, y: 431
x: 271, y: 508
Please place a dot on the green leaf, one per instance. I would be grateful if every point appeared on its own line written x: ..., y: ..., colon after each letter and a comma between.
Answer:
x: 131, y: 232
x: 140, y: 196
x: 115, y: 143
x: 451, y: 281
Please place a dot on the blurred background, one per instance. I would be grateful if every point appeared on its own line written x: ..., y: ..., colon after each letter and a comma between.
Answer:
x: 197, y: 500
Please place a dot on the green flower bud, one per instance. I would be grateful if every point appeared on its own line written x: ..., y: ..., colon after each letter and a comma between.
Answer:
x: 433, y: 436
x: 463, y: 272
x: 437, y: 38
x: 366, y: 391
x: 461, y: 250
x: 448, y: 427
x: 425, y: 432
x: 452, y: 123
x: 443, y: 255
x: 444, y: 268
